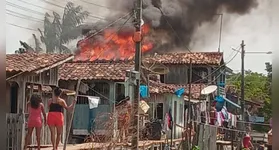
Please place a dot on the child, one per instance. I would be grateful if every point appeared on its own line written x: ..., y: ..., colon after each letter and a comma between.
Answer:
x: 35, y: 109
x: 247, y: 144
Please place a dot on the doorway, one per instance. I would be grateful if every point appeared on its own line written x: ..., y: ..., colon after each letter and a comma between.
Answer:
x: 13, y: 98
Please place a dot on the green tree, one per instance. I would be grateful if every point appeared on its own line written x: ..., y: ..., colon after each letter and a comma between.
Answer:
x: 257, y: 87
x: 60, y: 31
x: 254, y: 85
x: 266, y: 110
x: 57, y: 31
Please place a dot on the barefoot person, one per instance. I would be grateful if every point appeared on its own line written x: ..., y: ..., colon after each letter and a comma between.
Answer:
x: 35, y: 110
x: 55, y: 118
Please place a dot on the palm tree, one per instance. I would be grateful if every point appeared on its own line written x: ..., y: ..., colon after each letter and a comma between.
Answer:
x: 26, y: 48
x: 60, y: 31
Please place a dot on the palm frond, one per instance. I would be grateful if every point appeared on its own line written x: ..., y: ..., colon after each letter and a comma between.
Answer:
x: 73, y: 17
x: 37, y: 44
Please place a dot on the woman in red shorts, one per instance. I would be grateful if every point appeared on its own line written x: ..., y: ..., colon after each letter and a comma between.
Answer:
x: 35, y: 111
x: 55, y: 118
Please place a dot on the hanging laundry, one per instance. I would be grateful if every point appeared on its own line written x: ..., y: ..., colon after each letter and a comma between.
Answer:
x: 198, y: 114
x: 143, y: 91
x: 213, y: 115
x: 170, y: 123
x: 93, y: 101
x: 225, y: 113
x: 166, y: 122
x: 179, y: 92
x: 83, y: 88
x: 219, y: 119
x: 203, y: 106
x: 234, y: 119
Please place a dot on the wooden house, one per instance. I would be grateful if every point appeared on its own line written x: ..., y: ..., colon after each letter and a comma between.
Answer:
x: 107, y: 80
x: 26, y: 74
x: 208, y: 68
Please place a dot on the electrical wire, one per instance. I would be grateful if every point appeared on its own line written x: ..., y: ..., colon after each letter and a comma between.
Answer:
x: 91, y: 3
x: 165, y: 18
x: 50, y: 3
x: 215, y: 70
x: 20, y: 26
x: 112, y: 34
x: 24, y: 8
x: 15, y: 14
x: 36, y: 5
x: 109, y: 25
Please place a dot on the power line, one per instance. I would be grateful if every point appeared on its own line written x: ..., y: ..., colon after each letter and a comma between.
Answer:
x: 50, y: 3
x: 217, y: 68
x: 25, y: 9
x: 35, y: 5
x: 15, y: 14
x: 24, y: 18
x: 91, y: 3
x: 112, y: 34
x: 21, y: 26
x: 112, y: 23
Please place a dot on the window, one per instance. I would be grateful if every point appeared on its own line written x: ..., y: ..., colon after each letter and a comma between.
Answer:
x: 119, y: 92
x: 159, y: 111
x: 101, y: 89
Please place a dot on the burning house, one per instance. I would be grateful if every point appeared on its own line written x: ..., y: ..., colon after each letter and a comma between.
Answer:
x: 106, y: 79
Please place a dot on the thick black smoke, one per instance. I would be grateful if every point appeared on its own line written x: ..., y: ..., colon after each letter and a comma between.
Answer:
x: 179, y: 19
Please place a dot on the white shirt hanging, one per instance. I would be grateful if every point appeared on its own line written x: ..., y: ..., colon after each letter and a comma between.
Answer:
x: 93, y: 102
x: 203, y: 106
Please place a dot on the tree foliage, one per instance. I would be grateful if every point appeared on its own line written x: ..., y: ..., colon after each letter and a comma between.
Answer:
x: 254, y: 85
x: 59, y: 31
x: 257, y: 87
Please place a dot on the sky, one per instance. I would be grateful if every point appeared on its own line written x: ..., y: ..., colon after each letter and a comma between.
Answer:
x: 257, y: 29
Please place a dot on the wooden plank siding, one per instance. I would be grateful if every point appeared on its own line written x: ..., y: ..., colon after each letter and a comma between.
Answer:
x: 168, y: 101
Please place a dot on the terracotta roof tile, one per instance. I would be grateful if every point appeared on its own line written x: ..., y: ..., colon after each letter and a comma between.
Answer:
x: 156, y: 87
x: 32, y: 61
x: 116, y: 72
x: 210, y: 58
x: 91, y: 70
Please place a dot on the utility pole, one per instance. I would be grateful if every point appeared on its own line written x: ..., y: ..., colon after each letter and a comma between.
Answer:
x: 137, y: 39
x: 242, y: 82
x: 242, y: 91
x: 220, y: 33
x: 188, y: 138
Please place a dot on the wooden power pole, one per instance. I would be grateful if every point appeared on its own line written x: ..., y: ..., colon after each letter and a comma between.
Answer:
x: 137, y: 38
x: 242, y: 102
x: 242, y: 83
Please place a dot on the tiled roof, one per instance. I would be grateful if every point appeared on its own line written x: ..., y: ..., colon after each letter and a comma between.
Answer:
x: 209, y: 58
x: 155, y: 87
x: 115, y: 72
x: 32, y: 61
x: 91, y: 70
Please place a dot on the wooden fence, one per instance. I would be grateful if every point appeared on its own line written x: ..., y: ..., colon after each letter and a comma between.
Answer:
x: 207, y: 137
x: 14, y: 131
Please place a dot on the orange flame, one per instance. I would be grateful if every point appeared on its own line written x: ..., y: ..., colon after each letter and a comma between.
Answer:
x: 114, y: 46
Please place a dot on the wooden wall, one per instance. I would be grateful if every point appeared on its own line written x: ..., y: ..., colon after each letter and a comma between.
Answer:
x: 207, y: 137
x: 178, y: 74
x: 169, y: 101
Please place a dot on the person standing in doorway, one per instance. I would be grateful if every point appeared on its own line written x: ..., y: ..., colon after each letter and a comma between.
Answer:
x: 35, y: 110
x: 55, y: 118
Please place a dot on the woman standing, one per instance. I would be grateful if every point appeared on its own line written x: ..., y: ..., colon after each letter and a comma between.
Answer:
x: 55, y: 118
x: 35, y: 109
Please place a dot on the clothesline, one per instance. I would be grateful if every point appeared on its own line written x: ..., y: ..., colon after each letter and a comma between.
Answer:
x: 243, y: 131
x: 243, y: 121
